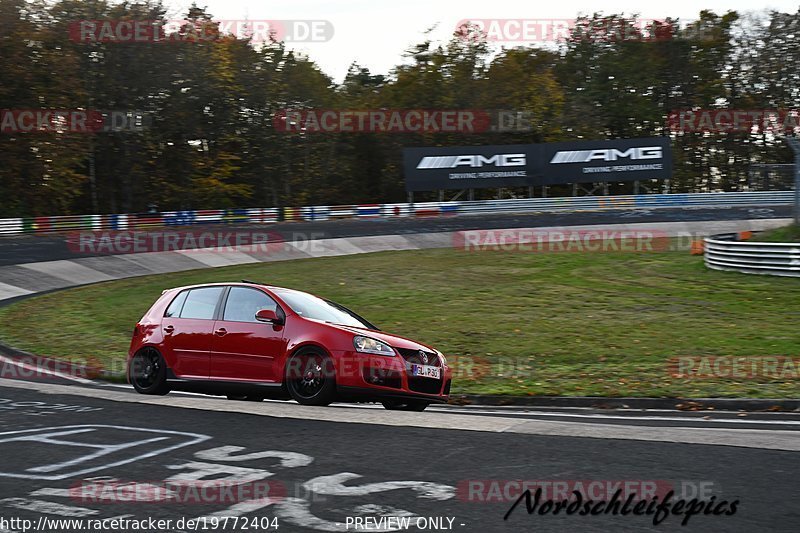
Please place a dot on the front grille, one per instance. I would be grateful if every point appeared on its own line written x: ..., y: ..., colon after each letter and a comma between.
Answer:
x: 425, y: 385
x: 420, y: 384
x: 414, y: 356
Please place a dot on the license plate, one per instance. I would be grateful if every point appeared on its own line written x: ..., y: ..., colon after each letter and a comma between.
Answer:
x: 426, y: 371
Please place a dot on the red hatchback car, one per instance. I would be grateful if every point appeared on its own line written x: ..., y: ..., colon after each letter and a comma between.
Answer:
x: 250, y: 341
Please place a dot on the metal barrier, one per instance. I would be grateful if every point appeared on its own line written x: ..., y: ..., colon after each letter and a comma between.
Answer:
x: 727, y: 252
x: 259, y: 215
x: 641, y: 201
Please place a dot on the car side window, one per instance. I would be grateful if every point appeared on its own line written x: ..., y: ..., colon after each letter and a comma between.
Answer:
x: 174, y: 309
x: 243, y: 303
x: 201, y: 303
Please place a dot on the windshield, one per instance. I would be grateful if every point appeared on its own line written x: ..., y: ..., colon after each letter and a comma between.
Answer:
x: 309, y: 306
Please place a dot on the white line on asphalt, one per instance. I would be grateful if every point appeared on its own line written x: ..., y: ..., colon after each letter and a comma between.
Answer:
x: 533, y: 408
x: 131, y: 389
x: 102, y: 451
x: 50, y: 491
x: 480, y: 411
x: 647, y: 418
x: 28, y: 367
x: 763, y: 438
x: 41, y: 506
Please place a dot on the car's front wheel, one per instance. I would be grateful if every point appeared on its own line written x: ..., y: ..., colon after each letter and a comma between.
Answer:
x: 310, y: 378
x: 405, y: 405
x: 148, y: 372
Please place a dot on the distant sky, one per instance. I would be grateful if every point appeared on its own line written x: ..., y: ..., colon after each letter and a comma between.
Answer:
x: 375, y: 33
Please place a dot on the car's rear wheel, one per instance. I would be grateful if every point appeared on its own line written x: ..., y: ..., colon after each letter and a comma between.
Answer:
x: 148, y: 372
x: 310, y: 378
x: 405, y: 405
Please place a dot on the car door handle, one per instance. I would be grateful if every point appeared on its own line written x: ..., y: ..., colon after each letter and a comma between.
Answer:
x: 169, y: 329
x: 221, y: 332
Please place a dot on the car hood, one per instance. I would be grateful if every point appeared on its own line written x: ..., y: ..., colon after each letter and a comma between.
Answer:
x: 388, y: 338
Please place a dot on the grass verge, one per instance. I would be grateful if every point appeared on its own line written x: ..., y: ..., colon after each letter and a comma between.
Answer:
x: 789, y: 233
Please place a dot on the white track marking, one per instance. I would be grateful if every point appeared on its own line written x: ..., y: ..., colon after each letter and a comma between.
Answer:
x: 297, y: 511
x: 334, y: 486
x: 773, y: 439
x: 11, y: 291
x: 486, y: 410
x: 50, y: 491
x: 644, y: 418
x: 101, y: 451
x: 241, y: 508
x: 45, y: 435
x: 55, y: 373
x: 199, y: 470
x: 223, y: 453
x: 43, y: 507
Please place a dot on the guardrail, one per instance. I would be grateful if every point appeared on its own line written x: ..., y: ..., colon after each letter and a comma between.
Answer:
x: 728, y: 252
x: 259, y: 215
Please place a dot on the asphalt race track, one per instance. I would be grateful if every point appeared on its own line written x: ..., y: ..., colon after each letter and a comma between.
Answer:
x: 34, y: 248
x: 323, y: 465
x: 81, y: 450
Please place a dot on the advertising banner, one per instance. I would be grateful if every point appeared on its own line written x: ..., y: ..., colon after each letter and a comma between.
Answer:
x: 520, y: 165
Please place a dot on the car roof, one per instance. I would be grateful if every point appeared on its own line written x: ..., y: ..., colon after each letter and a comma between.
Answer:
x: 224, y: 284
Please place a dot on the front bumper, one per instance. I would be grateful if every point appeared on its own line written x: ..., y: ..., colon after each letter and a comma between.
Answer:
x: 361, y: 375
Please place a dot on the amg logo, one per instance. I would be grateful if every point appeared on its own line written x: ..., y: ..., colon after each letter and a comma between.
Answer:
x: 611, y: 154
x: 453, y: 161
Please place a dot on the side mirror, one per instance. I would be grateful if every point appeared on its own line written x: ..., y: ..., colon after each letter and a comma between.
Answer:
x: 268, y: 315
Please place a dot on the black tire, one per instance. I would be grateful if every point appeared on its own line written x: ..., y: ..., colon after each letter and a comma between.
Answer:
x: 405, y: 405
x: 148, y: 372
x: 310, y: 378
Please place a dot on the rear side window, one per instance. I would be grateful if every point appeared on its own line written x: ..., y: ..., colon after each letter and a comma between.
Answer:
x: 201, y: 303
x: 243, y: 303
x: 174, y: 309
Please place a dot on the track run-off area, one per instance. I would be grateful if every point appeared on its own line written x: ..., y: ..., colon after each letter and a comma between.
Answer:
x: 327, y: 465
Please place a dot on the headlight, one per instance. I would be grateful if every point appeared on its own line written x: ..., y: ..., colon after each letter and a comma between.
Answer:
x: 369, y: 345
